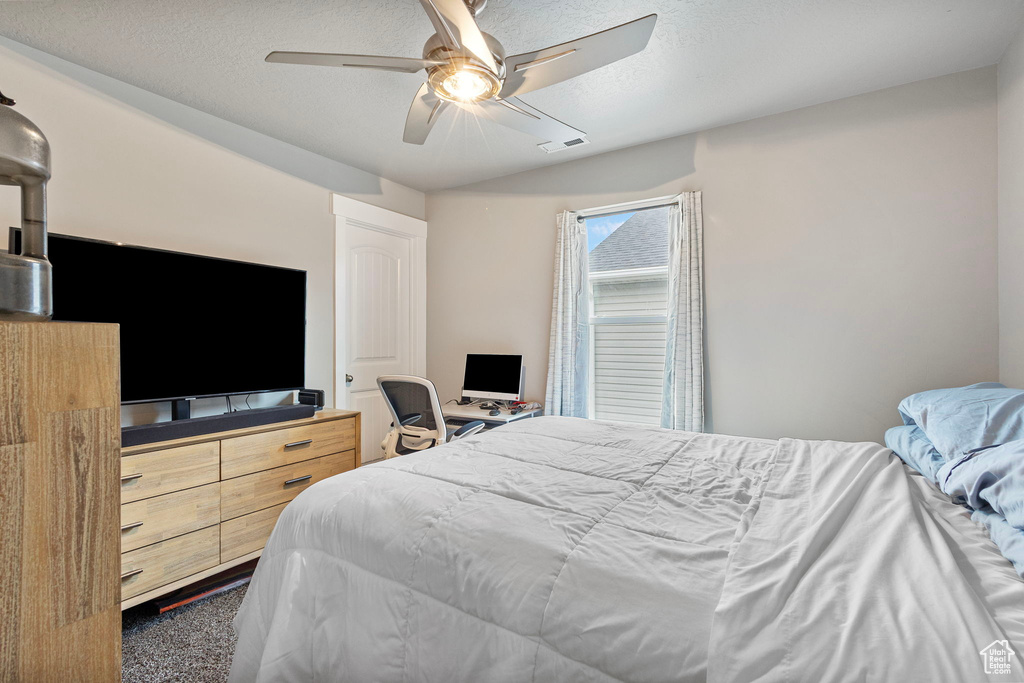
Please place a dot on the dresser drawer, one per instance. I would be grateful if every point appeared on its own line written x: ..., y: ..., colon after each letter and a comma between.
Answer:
x: 162, y: 563
x: 247, y: 454
x: 156, y: 519
x: 165, y: 471
x: 243, y: 535
x: 242, y: 495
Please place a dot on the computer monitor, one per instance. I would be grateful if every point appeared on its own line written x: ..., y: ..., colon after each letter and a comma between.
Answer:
x: 494, y: 376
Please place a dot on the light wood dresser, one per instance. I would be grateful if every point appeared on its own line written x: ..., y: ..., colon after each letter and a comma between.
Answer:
x: 193, y: 507
x: 60, y: 431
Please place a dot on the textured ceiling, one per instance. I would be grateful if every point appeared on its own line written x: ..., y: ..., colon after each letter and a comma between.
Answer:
x: 709, y: 62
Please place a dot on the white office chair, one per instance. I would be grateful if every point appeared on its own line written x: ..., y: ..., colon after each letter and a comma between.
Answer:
x: 417, y: 420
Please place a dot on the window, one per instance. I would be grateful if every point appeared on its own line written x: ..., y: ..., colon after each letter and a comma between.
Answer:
x: 629, y: 298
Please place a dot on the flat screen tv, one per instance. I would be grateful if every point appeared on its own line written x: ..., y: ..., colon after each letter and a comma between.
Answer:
x: 191, y: 326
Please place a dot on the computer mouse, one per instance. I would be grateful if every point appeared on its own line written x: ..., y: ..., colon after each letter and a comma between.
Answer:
x: 494, y: 413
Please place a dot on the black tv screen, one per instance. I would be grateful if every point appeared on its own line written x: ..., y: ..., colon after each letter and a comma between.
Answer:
x: 191, y: 326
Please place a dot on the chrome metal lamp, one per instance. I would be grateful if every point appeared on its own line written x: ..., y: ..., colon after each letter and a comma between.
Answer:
x: 25, y: 277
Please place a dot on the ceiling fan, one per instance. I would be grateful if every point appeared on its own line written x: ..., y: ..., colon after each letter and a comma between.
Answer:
x: 468, y: 68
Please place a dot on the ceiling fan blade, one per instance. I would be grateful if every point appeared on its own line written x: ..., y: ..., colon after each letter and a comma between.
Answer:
x: 425, y: 110
x: 403, y: 64
x: 534, y: 70
x: 457, y: 27
x: 518, y: 115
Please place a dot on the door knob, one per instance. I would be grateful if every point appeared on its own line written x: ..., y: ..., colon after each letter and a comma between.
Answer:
x: 348, y: 379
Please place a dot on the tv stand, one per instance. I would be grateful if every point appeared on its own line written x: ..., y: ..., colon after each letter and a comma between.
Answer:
x: 181, y: 409
x: 196, y: 506
x: 179, y: 428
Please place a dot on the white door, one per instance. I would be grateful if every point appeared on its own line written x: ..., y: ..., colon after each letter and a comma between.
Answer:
x: 381, y: 309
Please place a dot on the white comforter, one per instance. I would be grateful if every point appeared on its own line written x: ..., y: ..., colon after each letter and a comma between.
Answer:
x: 557, y: 549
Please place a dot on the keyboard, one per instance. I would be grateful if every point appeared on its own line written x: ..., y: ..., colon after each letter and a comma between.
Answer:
x: 457, y: 421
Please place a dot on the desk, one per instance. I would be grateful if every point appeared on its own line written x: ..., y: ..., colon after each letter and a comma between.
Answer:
x: 472, y: 412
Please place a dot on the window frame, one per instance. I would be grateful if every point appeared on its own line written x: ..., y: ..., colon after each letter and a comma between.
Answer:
x: 592, y: 320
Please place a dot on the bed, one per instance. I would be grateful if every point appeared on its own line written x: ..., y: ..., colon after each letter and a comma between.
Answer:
x: 560, y: 549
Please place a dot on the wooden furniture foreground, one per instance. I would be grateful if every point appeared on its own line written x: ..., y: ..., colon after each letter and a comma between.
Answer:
x: 193, y: 507
x: 60, y: 432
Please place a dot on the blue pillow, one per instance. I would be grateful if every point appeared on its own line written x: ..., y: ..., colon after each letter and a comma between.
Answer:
x: 914, y: 448
x: 965, y: 419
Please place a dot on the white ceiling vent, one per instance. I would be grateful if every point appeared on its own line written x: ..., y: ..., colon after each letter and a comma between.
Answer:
x: 550, y: 147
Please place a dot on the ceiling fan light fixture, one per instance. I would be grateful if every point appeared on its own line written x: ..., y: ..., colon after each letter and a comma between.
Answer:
x: 467, y: 86
x: 464, y: 82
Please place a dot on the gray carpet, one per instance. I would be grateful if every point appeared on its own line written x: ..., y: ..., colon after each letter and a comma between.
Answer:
x: 191, y: 643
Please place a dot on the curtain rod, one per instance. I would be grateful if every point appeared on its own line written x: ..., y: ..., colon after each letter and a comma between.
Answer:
x: 627, y: 207
x: 581, y: 218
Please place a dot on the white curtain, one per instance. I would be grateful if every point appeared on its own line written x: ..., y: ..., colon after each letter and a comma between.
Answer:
x: 683, y: 403
x: 569, y: 351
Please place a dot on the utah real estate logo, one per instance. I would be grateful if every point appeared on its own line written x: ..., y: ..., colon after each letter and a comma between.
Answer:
x: 997, y: 657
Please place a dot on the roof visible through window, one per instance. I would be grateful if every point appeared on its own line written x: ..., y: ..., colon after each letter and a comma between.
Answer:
x: 627, y: 241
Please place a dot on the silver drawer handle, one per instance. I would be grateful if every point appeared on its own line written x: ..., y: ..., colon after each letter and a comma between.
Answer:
x: 296, y: 480
x: 128, y: 575
x: 293, y: 444
x: 129, y: 527
x: 130, y: 477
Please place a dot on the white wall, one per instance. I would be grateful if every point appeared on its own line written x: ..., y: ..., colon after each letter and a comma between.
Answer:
x: 1011, y: 214
x: 850, y: 256
x: 125, y: 175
